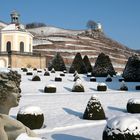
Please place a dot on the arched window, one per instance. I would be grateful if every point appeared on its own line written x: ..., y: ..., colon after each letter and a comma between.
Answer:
x: 21, y: 47
x: 8, y: 47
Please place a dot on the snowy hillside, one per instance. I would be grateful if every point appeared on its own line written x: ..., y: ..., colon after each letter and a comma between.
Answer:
x: 64, y: 109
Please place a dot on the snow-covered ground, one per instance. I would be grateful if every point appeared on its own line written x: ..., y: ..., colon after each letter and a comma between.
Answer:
x: 64, y: 109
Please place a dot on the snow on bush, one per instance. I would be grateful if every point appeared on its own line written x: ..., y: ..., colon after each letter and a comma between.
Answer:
x: 31, y: 116
x: 58, y: 78
x: 133, y: 105
x: 101, y: 87
x: 122, y: 128
x: 78, y: 86
x: 93, y: 79
x: 50, y: 89
x: 108, y: 79
x: 36, y: 78
x: 123, y: 86
x: 94, y: 110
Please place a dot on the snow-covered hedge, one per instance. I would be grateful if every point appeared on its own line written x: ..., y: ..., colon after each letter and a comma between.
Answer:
x: 93, y: 79
x: 133, y: 105
x: 78, y: 87
x: 36, y: 78
x: 94, y: 110
x: 123, y: 86
x: 31, y: 116
x: 122, y: 128
x: 101, y: 87
x: 50, y: 89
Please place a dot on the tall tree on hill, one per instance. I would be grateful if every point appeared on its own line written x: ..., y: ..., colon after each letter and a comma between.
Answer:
x: 87, y: 63
x: 57, y: 63
x: 78, y: 65
x: 103, y: 66
x: 91, y: 25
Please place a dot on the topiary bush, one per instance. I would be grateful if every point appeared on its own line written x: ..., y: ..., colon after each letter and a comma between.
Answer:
x: 29, y: 73
x: 94, y: 110
x: 123, y: 86
x: 57, y: 63
x: 58, y: 79
x: 122, y: 128
x: 133, y: 105
x: 78, y: 87
x: 52, y: 70
x: 101, y: 87
x: 36, y: 78
x: 138, y: 87
x: 46, y: 73
x: 78, y: 65
x: 108, y: 79
x: 24, y: 69
x: 62, y: 74
x: 87, y: 63
x: 31, y: 116
x: 50, y: 89
x: 93, y: 79
x: 103, y: 66
x: 131, y: 72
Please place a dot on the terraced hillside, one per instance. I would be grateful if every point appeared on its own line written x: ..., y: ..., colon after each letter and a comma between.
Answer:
x: 49, y: 40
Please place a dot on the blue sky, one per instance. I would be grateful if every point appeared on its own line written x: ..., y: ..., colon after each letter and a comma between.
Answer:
x: 120, y: 18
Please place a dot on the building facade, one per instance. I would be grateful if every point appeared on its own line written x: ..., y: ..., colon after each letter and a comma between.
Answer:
x: 16, y: 46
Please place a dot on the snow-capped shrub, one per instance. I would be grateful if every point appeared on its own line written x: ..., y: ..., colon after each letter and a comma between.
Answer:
x: 131, y: 72
x: 108, y: 79
x: 50, y: 89
x: 121, y: 79
x: 93, y: 79
x: 133, y: 105
x: 78, y: 65
x: 87, y: 63
x: 39, y: 71
x: 36, y: 78
x: 76, y: 77
x: 29, y: 73
x: 58, y: 78
x: 103, y: 66
x: 123, y: 86
x: 52, y: 70
x: 138, y: 87
x: 62, y: 74
x: 101, y: 87
x: 31, y: 116
x: 34, y: 69
x: 78, y: 87
x: 64, y: 71
x: 46, y: 73
x: 122, y: 128
x: 94, y: 110
x: 89, y: 74
x: 25, y: 70
x: 57, y: 63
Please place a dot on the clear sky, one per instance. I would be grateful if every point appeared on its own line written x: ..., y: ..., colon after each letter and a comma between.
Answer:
x: 120, y: 18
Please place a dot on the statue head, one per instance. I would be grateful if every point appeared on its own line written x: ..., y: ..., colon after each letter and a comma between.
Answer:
x: 9, y: 91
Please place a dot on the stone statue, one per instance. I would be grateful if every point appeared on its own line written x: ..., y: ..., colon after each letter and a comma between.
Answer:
x: 10, y: 96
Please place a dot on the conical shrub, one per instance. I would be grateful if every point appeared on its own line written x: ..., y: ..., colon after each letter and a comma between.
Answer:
x: 131, y: 72
x: 94, y: 110
x: 87, y: 63
x: 57, y: 63
x: 78, y: 65
x: 103, y: 66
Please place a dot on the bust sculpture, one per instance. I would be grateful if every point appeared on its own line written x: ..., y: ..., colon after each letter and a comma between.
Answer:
x: 10, y: 96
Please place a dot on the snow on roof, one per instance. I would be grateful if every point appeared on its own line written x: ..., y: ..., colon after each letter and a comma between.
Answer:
x: 13, y: 27
x: 34, y: 110
x: 124, y: 124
